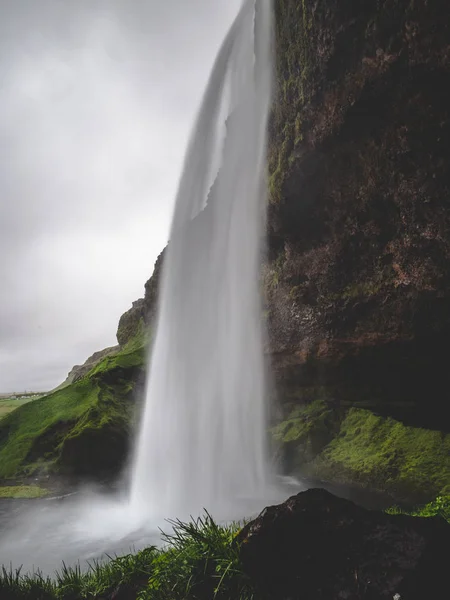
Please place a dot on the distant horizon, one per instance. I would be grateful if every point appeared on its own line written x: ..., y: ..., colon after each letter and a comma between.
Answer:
x: 4, y: 395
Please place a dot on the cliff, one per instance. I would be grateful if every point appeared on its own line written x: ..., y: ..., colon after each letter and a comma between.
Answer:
x: 358, y: 279
x: 359, y: 215
x: 143, y: 311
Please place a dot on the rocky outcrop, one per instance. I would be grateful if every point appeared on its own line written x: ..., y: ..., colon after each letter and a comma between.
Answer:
x: 143, y: 312
x: 130, y: 322
x: 79, y: 371
x: 321, y: 547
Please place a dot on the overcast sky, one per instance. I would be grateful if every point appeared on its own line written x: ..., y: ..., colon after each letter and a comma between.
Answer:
x: 97, y: 98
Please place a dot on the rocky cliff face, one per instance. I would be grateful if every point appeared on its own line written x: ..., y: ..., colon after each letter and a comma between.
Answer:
x: 359, y: 278
x: 143, y: 311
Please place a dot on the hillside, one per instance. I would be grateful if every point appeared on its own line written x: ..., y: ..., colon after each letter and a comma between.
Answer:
x: 81, y: 430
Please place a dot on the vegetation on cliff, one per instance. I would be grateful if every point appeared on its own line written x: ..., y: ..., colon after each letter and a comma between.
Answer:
x: 384, y: 453
x: 440, y: 507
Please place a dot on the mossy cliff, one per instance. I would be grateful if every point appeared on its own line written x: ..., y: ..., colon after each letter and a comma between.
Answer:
x: 357, y: 282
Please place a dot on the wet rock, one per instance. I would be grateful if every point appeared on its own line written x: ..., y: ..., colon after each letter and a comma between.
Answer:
x: 316, y: 546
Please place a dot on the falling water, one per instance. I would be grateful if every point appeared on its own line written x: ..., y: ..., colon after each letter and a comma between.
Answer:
x: 202, y: 437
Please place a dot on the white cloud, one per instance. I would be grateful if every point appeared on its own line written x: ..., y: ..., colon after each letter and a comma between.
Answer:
x: 97, y: 103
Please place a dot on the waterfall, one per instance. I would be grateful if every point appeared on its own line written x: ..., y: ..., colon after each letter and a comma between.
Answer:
x: 202, y: 440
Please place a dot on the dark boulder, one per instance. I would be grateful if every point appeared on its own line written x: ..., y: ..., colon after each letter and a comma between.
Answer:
x: 317, y: 546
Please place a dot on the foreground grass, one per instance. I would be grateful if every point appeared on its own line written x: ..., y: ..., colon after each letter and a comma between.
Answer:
x: 200, y: 562
x: 438, y: 508
x: 23, y: 491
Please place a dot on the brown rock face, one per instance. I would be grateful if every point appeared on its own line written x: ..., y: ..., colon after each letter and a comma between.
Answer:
x: 321, y: 547
x: 79, y: 371
x: 143, y: 311
x: 358, y: 281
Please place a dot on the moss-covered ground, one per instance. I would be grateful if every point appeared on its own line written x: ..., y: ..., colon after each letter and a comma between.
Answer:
x: 308, y: 428
x: 23, y: 491
x: 368, y: 450
x: 81, y: 429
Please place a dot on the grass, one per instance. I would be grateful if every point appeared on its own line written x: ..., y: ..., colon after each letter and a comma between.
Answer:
x: 440, y: 507
x: 7, y: 405
x: 200, y: 561
x: 23, y: 491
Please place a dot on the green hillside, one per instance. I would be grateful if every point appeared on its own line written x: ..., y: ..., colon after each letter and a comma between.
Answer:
x: 79, y: 430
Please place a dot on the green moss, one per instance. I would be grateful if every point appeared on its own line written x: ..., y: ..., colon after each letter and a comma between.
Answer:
x: 294, y: 69
x: 307, y: 429
x: 386, y: 454
x: 298, y: 130
x: 301, y: 421
x: 79, y: 428
x: 23, y: 491
x: 272, y: 273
